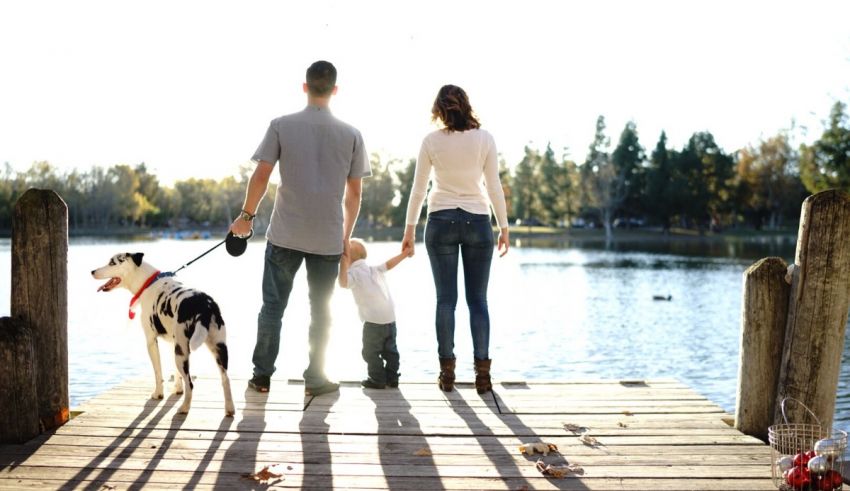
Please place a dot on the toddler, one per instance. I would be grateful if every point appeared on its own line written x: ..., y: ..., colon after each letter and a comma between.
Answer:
x: 375, y: 306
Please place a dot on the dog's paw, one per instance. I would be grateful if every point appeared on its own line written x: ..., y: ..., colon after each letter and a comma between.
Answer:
x: 184, y: 409
x: 157, y: 394
x: 229, y: 410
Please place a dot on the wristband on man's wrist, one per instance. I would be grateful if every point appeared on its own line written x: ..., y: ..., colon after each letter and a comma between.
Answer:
x: 248, y: 217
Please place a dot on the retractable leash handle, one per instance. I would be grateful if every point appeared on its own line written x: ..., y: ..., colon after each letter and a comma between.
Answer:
x: 236, y: 245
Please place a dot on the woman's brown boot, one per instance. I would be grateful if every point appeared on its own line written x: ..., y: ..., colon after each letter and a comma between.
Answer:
x: 482, y: 376
x: 446, y: 381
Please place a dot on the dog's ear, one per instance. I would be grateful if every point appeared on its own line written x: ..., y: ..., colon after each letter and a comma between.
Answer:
x: 137, y: 258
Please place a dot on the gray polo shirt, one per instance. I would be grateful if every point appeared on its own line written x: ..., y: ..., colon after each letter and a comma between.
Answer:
x: 317, y: 153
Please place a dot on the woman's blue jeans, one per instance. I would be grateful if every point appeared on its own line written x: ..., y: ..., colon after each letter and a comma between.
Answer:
x: 281, y: 265
x: 449, y: 234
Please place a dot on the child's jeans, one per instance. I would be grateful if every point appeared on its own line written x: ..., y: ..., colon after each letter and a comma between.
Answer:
x: 380, y: 352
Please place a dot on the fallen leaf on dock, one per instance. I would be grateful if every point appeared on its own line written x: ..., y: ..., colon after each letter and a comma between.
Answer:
x: 263, y: 475
x: 628, y: 413
x: 559, y: 471
x: 574, y: 428
x: 588, y: 440
x: 539, y: 447
x: 423, y: 452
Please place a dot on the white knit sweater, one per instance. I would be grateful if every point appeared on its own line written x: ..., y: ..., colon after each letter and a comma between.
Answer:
x: 459, y: 161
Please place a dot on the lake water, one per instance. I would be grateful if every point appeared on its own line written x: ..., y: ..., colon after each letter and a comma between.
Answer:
x: 573, y: 311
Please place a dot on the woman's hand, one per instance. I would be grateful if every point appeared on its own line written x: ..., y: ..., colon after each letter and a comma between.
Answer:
x: 504, y: 241
x: 408, y: 240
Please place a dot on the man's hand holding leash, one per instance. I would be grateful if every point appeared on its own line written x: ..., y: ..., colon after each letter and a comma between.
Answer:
x: 243, y: 225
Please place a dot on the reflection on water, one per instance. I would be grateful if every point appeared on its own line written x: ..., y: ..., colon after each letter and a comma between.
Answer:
x: 583, y: 310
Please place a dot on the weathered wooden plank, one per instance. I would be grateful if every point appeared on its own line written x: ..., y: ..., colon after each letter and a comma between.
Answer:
x: 237, y: 431
x: 385, y: 454
x: 439, y: 446
x: 408, y: 469
x: 169, y: 480
x: 338, y: 423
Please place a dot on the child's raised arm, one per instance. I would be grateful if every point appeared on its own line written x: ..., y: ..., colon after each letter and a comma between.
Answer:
x: 393, y: 261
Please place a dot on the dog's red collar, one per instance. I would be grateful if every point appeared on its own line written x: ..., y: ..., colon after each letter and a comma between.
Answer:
x: 138, y: 294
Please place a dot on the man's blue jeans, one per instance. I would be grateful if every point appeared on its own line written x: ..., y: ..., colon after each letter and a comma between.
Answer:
x: 449, y: 234
x: 281, y: 265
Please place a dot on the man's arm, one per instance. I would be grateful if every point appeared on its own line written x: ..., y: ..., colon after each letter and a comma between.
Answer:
x: 351, y: 201
x: 257, y: 187
x: 344, y: 263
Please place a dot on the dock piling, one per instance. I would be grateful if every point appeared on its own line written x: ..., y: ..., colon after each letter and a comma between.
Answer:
x: 818, y: 308
x: 40, y: 295
x: 765, y: 311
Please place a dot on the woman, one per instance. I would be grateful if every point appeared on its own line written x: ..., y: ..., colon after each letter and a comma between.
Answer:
x: 455, y: 158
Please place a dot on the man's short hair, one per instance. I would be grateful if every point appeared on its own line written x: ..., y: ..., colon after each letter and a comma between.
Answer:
x: 321, y: 78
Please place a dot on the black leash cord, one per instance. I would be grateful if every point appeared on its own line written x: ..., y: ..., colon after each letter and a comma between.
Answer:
x: 202, y: 255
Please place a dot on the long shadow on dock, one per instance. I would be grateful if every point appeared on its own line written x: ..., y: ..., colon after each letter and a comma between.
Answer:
x: 502, y: 458
x: 176, y: 423
x: 388, y: 426
x: 215, y: 444
x: 241, y: 455
x: 130, y: 444
x: 318, y: 460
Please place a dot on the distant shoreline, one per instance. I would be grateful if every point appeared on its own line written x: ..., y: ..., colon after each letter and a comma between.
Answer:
x: 517, y: 233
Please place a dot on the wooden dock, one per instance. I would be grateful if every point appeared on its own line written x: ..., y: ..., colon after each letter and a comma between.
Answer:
x: 650, y: 435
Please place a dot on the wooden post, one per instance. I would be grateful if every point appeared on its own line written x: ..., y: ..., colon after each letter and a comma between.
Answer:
x: 19, y: 417
x: 817, y: 312
x: 764, y: 314
x: 40, y: 295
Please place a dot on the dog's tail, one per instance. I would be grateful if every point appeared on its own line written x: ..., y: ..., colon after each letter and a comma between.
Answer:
x: 198, y: 337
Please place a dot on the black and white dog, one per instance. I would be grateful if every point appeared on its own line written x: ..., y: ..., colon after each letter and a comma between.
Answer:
x: 184, y: 317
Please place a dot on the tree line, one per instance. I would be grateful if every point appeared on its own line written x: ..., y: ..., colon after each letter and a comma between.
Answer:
x: 698, y: 186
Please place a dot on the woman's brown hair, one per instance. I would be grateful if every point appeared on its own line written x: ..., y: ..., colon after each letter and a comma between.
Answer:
x: 452, y: 108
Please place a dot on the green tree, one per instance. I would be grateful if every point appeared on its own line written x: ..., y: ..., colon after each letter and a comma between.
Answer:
x: 603, y: 184
x: 195, y: 200
x: 660, y: 195
x: 8, y: 196
x: 569, y: 187
x: 526, y: 185
x: 148, y: 195
x: 707, y: 173
x: 507, y: 185
x: 378, y: 194
x: 549, y: 194
x: 825, y: 164
x: 403, y: 184
x: 628, y: 158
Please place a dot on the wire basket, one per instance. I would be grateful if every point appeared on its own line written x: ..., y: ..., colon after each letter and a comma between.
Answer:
x: 806, y: 456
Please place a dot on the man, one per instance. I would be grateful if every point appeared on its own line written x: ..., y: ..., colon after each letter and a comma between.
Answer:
x: 322, y: 161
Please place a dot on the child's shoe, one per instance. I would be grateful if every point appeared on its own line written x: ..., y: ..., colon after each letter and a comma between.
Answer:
x: 371, y: 384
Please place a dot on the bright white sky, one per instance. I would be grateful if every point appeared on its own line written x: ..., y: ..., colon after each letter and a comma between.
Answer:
x: 189, y: 87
